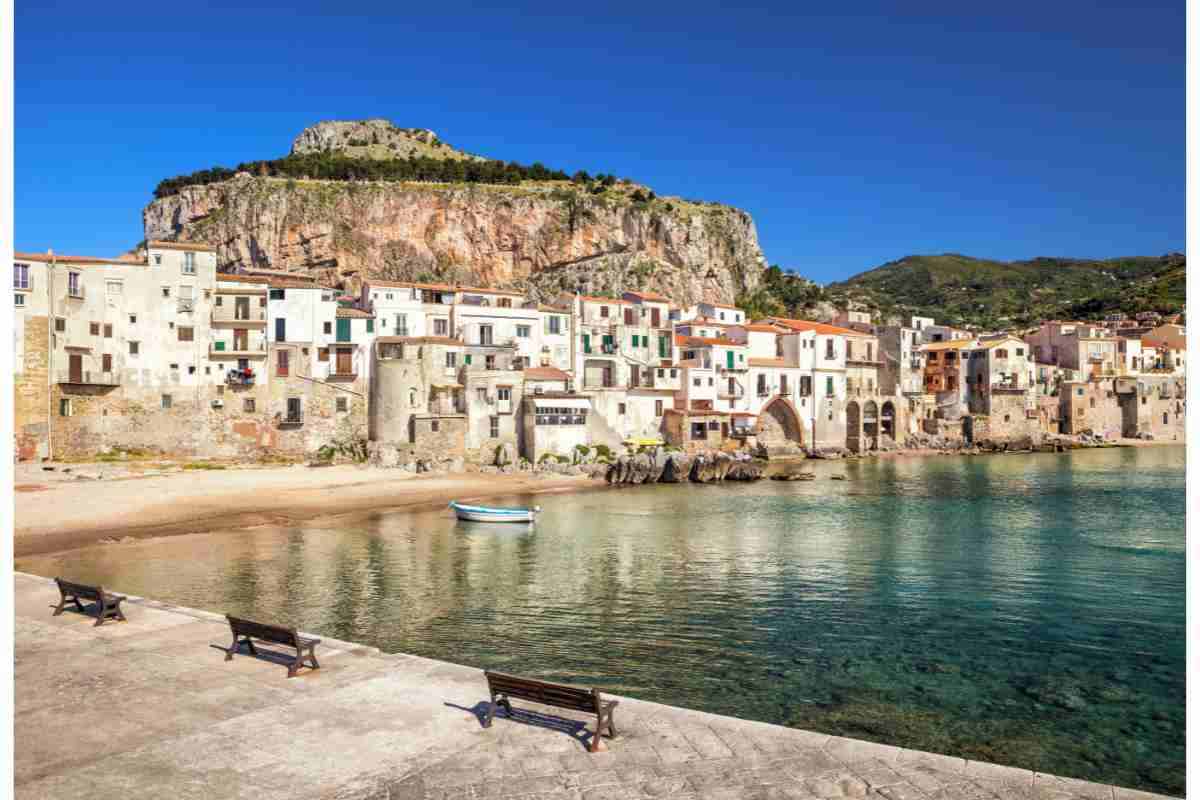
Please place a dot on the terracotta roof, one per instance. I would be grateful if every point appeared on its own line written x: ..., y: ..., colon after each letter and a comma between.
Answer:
x: 754, y: 326
x: 651, y: 296
x: 606, y: 300
x: 201, y: 246
x: 490, y: 291
x: 718, y: 305
x: 953, y: 344
x: 78, y: 260
x: 768, y: 362
x: 706, y: 321
x: 228, y: 276
x: 545, y: 374
x: 352, y: 313
x: 554, y: 309
x: 294, y: 283
x: 803, y: 326
x: 703, y: 340
x: 418, y: 340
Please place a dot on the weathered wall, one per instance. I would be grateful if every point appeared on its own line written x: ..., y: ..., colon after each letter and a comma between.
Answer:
x: 1090, y: 406
x: 31, y: 392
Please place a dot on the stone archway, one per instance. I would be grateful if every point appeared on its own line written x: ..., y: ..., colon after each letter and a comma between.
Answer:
x: 853, y: 427
x: 887, y: 420
x: 779, y: 424
x: 870, y: 419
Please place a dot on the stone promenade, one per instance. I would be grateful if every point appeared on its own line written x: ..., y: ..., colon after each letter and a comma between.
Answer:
x: 150, y: 709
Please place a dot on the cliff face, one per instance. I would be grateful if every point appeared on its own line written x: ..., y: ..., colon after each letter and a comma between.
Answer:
x: 539, y: 237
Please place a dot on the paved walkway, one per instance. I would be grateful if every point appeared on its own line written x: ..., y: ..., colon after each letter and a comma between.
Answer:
x: 147, y: 709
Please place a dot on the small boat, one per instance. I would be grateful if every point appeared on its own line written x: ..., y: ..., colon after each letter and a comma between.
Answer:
x: 494, y: 513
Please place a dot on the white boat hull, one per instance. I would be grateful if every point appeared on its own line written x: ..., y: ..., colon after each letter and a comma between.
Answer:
x: 487, y: 514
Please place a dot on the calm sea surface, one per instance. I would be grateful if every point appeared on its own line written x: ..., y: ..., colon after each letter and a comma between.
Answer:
x: 1025, y: 610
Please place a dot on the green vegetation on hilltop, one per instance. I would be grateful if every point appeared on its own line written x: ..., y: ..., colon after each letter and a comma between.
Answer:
x: 782, y: 293
x: 962, y: 290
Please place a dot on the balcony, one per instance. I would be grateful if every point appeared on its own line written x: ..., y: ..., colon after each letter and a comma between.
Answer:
x: 1007, y: 388
x: 218, y: 351
x: 223, y: 317
x: 87, y: 377
x: 343, y: 376
x: 291, y: 419
x: 862, y: 362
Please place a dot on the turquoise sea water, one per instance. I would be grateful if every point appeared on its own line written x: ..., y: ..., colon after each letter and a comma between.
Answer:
x: 1025, y: 610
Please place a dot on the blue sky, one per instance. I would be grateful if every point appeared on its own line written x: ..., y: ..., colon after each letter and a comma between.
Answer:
x: 853, y: 138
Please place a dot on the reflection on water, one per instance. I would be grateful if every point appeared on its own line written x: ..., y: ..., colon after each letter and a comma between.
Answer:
x: 1024, y: 610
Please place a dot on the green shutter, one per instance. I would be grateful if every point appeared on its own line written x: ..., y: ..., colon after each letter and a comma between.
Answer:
x: 343, y: 330
x: 370, y: 326
x: 219, y: 346
x: 635, y: 340
x: 729, y: 359
x: 467, y: 359
x: 662, y: 347
x: 608, y: 340
x: 587, y: 343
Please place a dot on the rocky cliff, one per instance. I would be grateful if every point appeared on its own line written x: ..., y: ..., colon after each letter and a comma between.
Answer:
x: 541, y: 236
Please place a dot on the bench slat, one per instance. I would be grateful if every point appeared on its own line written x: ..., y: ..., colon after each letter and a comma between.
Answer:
x: 267, y: 633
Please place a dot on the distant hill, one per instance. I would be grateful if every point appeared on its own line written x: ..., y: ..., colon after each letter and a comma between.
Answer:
x: 959, y: 289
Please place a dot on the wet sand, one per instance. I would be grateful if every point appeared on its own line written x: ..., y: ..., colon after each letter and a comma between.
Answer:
x: 55, y: 511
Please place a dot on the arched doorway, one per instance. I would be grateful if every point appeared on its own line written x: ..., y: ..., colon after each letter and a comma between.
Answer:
x: 871, y: 425
x: 779, y: 424
x: 887, y: 420
x: 853, y: 427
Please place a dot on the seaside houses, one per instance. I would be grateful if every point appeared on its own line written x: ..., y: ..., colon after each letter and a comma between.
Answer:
x: 163, y: 353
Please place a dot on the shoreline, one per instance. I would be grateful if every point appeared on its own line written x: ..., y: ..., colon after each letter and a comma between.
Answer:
x: 65, y: 514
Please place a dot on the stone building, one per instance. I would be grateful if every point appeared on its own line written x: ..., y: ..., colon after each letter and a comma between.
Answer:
x: 1153, y: 405
x: 1090, y: 407
x: 417, y: 404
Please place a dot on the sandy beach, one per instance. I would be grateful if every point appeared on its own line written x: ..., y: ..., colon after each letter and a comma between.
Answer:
x: 56, y: 511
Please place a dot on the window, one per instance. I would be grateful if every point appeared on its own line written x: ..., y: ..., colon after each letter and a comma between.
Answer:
x: 106, y: 362
x: 849, y: 351
x: 343, y: 405
x: 695, y: 381
x: 504, y: 394
x: 433, y: 426
x: 494, y: 427
x: 248, y: 405
x: 166, y: 291
x: 1091, y: 402
x: 60, y: 325
x: 158, y: 259
x: 829, y: 349
x: 219, y: 300
x: 451, y: 360
x: 412, y: 398
x: 189, y: 263
x: 328, y: 328
x: 1020, y: 352
x: 133, y: 319
x: 710, y: 381
x: 191, y: 369
x: 698, y: 431
x: 262, y: 302
x: 805, y: 385
x: 20, y: 276
x: 522, y: 331
x: 95, y: 328
x: 485, y: 334
x: 166, y: 401
x: 174, y: 367
x: 186, y: 334
x: 441, y: 327
x: 489, y: 362
x: 19, y: 300
x: 555, y: 324
x: 280, y: 329
x: 504, y: 302
x: 783, y: 384
x: 276, y: 294
x: 604, y: 311
x: 762, y: 385
x: 1164, y: 418
x: 621, y: 409
x: 73, y: 287
x: 322, y: 354
x: 281, y: 364
x: 402, y: 325
x: 293, y: 409
x: 829, y: 386
x: 64, y: 407
x: 133, y: 348
x: 113, y: 287
x: 658, y: 408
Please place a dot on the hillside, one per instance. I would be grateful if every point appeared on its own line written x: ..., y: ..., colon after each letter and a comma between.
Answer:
x: 963, y: 290
x: 375, y: 138
x: 324, y: 211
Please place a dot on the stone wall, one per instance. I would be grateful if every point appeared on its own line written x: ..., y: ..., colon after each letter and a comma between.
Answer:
x: 1090, y: 406
x: 31, y: 390
x: 1007, y: 420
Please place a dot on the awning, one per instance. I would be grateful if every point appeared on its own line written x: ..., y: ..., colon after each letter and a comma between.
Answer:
x: 550, y: 405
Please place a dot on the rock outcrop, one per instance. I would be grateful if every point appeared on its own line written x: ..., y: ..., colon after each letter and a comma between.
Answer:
x: 542, y: 237
x: 664, y: 467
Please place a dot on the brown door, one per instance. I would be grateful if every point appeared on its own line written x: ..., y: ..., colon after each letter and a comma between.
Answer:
x: 76, y: 368
x: 654, y: 317
x: 344, y: 366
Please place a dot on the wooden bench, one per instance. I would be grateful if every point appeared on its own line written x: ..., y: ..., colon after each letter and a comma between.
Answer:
x: 552, y: 694
x: 107, y: 604
x: 246, y: 631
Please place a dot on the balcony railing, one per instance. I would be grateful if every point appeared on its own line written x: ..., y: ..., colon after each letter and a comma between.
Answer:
x: 234, y: 318
x: 1007, y: 388
x: 291, y: 418
x: 88, y: 377
x: 240, y: 377
x: 343, y: 376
